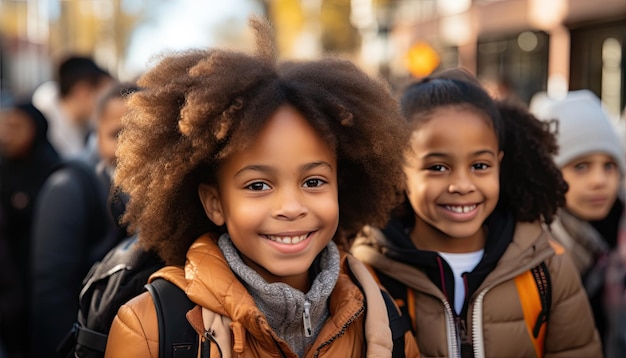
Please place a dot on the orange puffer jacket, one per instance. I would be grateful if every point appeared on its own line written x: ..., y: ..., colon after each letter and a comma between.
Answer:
x: 351, y: 331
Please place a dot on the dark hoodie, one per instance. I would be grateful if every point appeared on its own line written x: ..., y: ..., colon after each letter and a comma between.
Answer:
x: 20, y: 181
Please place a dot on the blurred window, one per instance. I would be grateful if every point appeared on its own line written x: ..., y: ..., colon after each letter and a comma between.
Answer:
x: 612, y: 75
x: 519, y: 62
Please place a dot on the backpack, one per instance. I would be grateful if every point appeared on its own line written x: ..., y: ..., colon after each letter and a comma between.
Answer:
x: 533, y: 287
x: 123, y: 274
x: 111, y: 282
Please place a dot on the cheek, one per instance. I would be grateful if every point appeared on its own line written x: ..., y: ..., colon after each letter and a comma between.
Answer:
x: 616, y: 180
x: 107, y: 147
x: 21, y: 142
x: 573, y: 194
x: 421, y: 195
x: 327, y: 207
x: 411, y: 178
x: 494, y: 185
x: 574, y: 185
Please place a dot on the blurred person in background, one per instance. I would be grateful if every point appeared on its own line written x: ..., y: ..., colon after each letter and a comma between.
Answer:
x: 69, y: 102
x: 26, y: 160
x: 74, y: 228
x: 12, y: 308
x: 592, y: 159
x: 502, y: 88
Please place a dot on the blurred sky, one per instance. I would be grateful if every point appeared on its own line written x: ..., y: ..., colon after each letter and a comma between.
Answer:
x: 183, y: 24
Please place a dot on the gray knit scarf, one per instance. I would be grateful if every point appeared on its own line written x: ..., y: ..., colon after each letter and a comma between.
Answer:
x: 282, y: 304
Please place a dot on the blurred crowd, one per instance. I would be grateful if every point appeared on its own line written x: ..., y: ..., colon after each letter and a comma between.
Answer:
x: 57, y: 158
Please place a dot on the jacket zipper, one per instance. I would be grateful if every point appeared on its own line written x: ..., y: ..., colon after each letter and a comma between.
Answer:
x: 453, y: 343
x: 477, y: 324
x: 341, y: 331
x: 306, y: 317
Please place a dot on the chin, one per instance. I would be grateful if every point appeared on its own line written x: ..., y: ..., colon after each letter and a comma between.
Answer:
x: 595, y: 216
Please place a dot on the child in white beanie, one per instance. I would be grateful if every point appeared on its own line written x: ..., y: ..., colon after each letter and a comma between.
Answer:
x: 592, y: 159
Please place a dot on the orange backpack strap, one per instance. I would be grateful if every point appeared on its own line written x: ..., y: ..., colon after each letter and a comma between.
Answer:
x: 533, y: 288
x: 557, y: 247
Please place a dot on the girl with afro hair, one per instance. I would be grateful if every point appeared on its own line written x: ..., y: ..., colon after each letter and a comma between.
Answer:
x: 480, y: 184
x: 247, y: 176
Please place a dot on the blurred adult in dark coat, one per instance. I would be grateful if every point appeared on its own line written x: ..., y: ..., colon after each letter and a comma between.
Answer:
x: 73, y: 226
x: 26, y: 160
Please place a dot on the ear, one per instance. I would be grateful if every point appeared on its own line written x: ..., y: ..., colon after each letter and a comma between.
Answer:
x: 209, y: 196
x: 500, y: 156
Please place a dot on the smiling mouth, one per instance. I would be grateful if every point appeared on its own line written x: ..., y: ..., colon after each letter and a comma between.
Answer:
x: 460, y: 208
x: 289, y: 240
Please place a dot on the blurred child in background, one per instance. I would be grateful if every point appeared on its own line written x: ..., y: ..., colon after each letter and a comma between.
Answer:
x: 592, y: 159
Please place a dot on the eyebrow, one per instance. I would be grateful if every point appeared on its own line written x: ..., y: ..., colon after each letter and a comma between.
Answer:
x: 445, y: 155
x: 270, y: 169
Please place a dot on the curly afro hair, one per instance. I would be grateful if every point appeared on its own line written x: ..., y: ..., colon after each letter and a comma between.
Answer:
x: 531, y: 185
x: 197, y: 107
x: 530, y: 182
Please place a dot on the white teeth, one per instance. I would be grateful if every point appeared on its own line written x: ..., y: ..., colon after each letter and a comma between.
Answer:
x: 289, y: 240
x: 461, y: 209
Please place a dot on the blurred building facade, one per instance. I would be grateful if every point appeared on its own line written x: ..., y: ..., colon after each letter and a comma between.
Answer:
x: 36, y: 34
x: 524, y: 46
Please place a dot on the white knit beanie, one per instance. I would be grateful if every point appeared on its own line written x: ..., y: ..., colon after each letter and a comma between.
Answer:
x: 583, y: 127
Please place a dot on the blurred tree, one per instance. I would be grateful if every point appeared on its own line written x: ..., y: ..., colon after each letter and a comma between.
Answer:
x: 338, y: 33
x: 288, y: 19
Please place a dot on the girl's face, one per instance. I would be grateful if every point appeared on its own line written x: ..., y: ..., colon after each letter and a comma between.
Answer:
x: 453, y: 179
x: 593, y: 185
x: 278, y: 199
x: 109, y: 127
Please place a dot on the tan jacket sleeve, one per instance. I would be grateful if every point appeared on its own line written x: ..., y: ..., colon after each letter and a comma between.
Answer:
x: 571, y: 328
x: 134, y: 332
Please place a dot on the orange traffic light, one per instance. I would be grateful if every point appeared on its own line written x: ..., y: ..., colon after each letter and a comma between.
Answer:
x: 421, y: 59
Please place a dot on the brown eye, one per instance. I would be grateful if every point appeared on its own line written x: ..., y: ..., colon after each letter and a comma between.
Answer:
x: 258, y: 186
x: 480, y: 166
x: 314, y: 183
x: 437, y: 168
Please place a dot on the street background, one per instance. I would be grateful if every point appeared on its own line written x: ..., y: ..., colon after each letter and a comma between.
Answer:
x: 516, y: 47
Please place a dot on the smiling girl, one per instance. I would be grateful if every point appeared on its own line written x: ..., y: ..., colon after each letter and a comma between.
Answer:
x: 246, y: 176
x: 480, y: 180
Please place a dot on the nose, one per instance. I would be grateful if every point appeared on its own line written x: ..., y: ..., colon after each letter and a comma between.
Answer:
x: 290, y: 204
x: 461, y: 183
x: 599, y: 176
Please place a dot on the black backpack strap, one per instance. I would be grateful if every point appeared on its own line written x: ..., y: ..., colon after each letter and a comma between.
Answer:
x: 399, y: 325
x: 177, y: 338
x: 90, y: 339
x: 541, y: 274
x: 399, y: 292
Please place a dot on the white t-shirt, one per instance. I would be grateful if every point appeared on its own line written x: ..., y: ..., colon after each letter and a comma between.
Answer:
x: 461, y: 263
